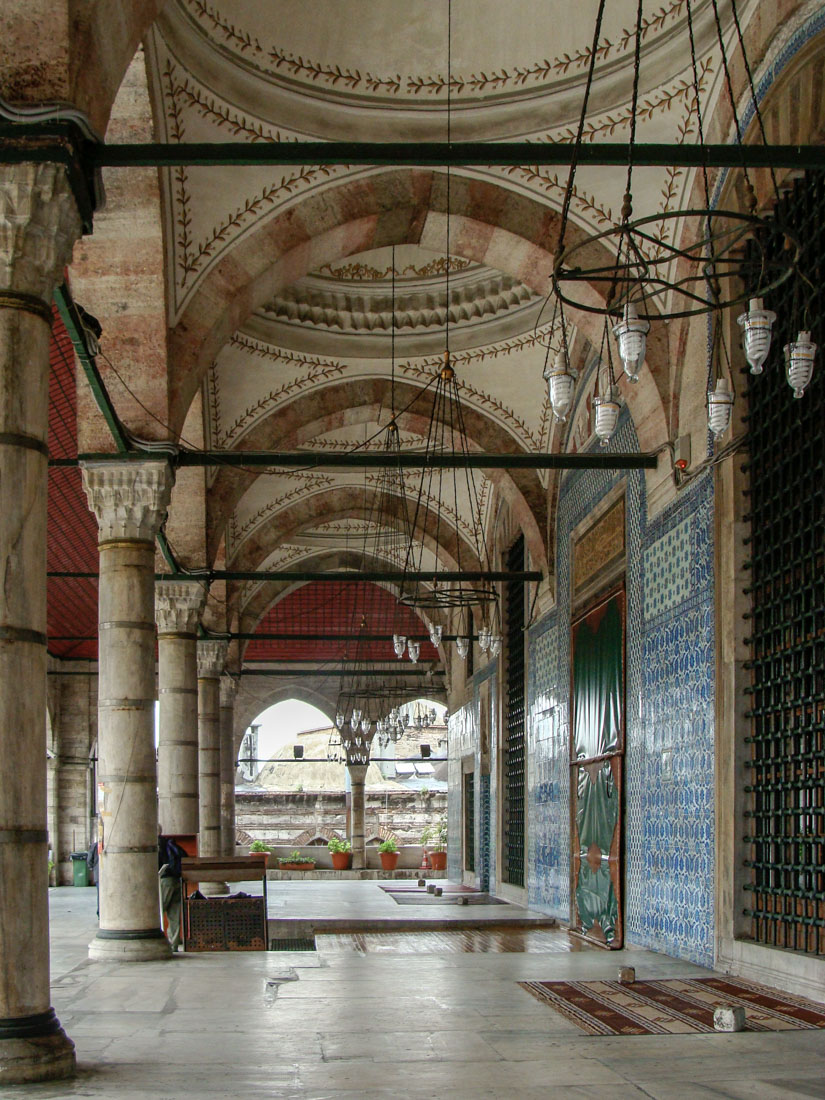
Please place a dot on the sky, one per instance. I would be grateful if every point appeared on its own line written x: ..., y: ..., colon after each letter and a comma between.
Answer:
x: 282, y: 722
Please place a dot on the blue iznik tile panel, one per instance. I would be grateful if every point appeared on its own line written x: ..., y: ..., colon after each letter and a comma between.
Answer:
x: 670, y: 783
x: 669, y: 804
x: 667, y: 570
x: 484, y: 833
x: 548, y: 779
x: 490, y: 782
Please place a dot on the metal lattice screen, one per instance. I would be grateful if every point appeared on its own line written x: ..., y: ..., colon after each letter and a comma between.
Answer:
x: 514, y: 755
x: 786, y: 772
x: 469, y: 821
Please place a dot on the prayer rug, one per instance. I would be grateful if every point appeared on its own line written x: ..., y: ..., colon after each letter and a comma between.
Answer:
x: 674, y: 1006
x: 404, y: 897
x: 414, y: 888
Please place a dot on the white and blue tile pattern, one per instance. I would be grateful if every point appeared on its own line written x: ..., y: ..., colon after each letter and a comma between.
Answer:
x: 669, y: 812
x: 669, y: 684
x: 667, y: 570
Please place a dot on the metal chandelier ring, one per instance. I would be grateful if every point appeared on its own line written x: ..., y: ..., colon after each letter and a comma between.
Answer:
x: 714, y: 275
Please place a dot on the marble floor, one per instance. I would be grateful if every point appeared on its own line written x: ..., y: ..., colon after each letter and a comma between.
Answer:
x: 414, y: 1022
x: 301, y: 908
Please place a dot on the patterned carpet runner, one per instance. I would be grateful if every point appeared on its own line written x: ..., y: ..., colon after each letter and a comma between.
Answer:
x: 674, y: 1006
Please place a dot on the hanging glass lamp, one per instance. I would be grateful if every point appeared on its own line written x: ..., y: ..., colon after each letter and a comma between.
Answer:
x: 495, y: 645
x: 399, y: 644
x: 414, y: 650
x: 462, y: 646
x: 799, y: 362
x: 561, y: 385
x: 607, y: 414
x: 631, y: 333
x: 756, y: 334
x: 720, y: 408
x: 435, y: 634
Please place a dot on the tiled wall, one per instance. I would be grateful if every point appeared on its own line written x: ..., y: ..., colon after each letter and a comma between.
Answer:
x: 548, y: 772
x: 462, y: 728
x: 669, y: 823
x: 670, y: 831
x: 669, y: 792
x: 464, y: 740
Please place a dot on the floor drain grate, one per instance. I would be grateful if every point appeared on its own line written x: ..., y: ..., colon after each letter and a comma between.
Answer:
x: 305, y: 944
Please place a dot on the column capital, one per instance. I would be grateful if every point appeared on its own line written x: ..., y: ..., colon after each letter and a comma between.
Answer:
x: 229, y: 689
x: 178, y: 606
x: 129, y: 499
x: 211, y: 658
x: 39, y: 223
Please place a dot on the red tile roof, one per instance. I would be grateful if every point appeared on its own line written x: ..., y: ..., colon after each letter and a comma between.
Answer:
x: 71, y: 528
x: 334, y: 608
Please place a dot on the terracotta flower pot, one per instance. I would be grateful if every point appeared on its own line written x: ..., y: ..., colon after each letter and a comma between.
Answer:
x: 438, y: 861
x: 389, y: 860
x: 297, y: 866
x: 340, y: 860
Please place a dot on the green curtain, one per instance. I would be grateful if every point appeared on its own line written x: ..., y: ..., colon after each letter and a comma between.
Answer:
x: 597, y: 730
x: 597, y: 816
x: 597, y: 680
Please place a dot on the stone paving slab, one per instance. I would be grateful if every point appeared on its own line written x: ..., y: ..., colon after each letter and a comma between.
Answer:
x: 300, y: 909
x: 342, y: 1026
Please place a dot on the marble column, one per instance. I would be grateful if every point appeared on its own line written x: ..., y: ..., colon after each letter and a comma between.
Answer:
x: 357, y: 779
x: 229, y: 688
x: 211, y: 659
x: 178, y: 606
x: 130, y: 500
x: 75, y: 730
x: 38, y: 225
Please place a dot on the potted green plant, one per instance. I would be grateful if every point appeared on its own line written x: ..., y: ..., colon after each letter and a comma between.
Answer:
x: 434, y: 839
x: 388, y: 853
x: 340, y: 851
x: 257, y: 847
x: 296, y: 862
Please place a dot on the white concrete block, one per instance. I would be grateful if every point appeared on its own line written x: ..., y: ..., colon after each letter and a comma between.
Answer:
x: 729, y: 1018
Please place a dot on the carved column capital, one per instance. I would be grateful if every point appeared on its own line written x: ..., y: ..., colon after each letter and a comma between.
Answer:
x: 229, y: 689
x: 178, y: 606
x: 211, y: 658
x: 39, y: 223
x: 129, y: 499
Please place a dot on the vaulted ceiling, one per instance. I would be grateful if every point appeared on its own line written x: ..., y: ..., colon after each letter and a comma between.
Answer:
x: 305, y: 307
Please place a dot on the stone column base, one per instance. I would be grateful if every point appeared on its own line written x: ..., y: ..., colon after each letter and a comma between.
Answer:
x: 213, y: 889
x: 35, y: 1057
x: 143, y: 947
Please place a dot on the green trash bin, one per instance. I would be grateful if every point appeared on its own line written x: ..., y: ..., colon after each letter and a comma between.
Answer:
x: 80, y: 869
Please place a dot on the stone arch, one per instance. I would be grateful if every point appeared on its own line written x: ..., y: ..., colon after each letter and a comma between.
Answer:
x: 316, y: 837
x: 348, y: 502
x: 362, y: 401
x: 82, y: 57
x: 384, y: 832
x: 490, y: 224
x: 255, y: 697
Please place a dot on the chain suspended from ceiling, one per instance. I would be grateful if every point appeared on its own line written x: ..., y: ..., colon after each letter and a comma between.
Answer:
x: 450, y: 503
